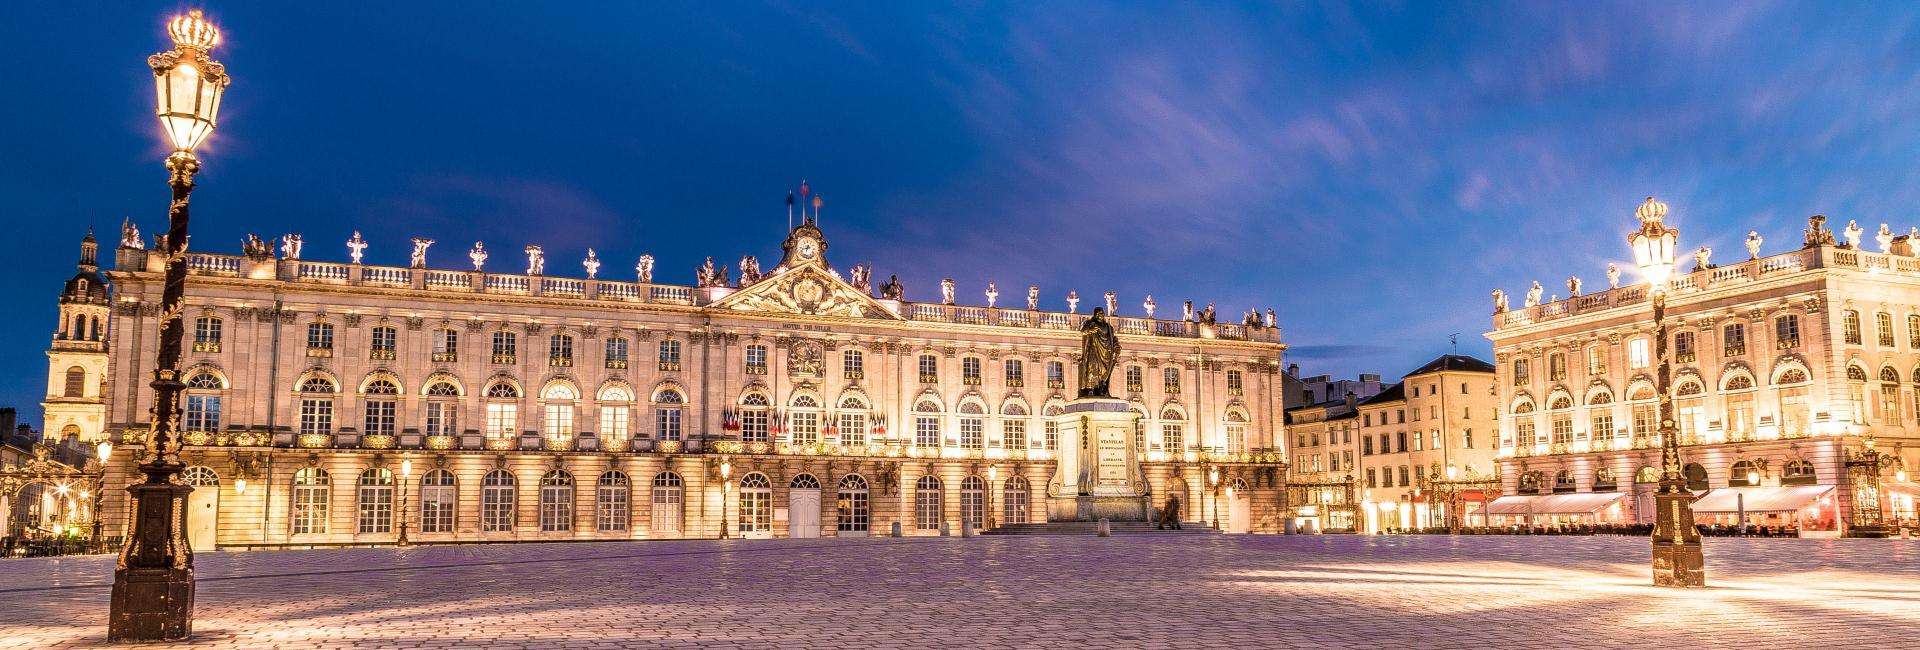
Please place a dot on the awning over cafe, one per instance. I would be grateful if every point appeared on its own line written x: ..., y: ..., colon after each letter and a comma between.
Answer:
x: 1785, y: 498
x: 1575, y: 503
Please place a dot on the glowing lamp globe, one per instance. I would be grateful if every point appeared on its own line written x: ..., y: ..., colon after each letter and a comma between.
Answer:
x: 188, y: 82
x: 1653, y: 244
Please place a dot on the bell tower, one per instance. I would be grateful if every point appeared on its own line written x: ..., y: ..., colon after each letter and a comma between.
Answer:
x: 77, y: 360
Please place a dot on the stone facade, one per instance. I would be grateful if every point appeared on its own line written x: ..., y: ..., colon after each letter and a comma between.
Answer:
x: 1785, y: 365
x: 535, y: 407
x: 1438, y: 422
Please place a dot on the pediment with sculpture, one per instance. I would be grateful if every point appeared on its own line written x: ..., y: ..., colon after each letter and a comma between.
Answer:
x: 805, y: 289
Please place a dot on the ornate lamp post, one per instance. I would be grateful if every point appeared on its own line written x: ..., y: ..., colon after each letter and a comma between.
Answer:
x: 1677, y: 560
x: 153, y: 586
x: 101, y: 452
x: 1213, y: 478
x: 1869, y: 501
x: 406, y: 472
x: 726, y: 486
x: 993, y: 479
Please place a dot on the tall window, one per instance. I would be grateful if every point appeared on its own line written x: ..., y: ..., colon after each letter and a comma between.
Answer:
x: 76, y: 382
x: 560, y: 350
x: 616, y: 415
x: 1013, y: 500
x: 1521, y: 374
x: 1883, y: 328
x: 439, y: 501
x: 756, y: 359
x: 1733, y: 340
x: 556, y: 502
x: 853, y: 422
x: 316, y: 405
x: 668, y: 408
x: 446, y: 346
x: 928, y: 503
x: 375, y: 501
x: 973, y: 501
x: 1170, y: 380
x: 320, y: 339
x: 497, y: 502
x: 805, y: 416
x: 669, y: 355
x: 851, y: 505
x: 1136, y: 379
x: 667, y: 496
x: 1740, y: 408
x: 616, y: 352
x: 505, y: 347
x: 1889, y: 396
x: 385, y: 343
x: 970, y: 371
x: 378, y: 413
x: 206, y: 334
x: 972, y: 427
x: 1850, y: 326
x: 1015, y: 373
x: 613, y: 503
x: 1056, y: 374
x: 754, y: 418
x: 1173, y: 431
x: 1013, y: 426
x: 1683, y: 347
x: 929, y: 369
x: 503, y: 410
x: 853, y: 364
x: 756, y: 504
x: 1237, y: 433
x: 1786, y: 330
x: 1857, y: 393
x: 1638, y: 355
x: 203, y: 408
x: 926, y: 424
x: 1596, y: 362
x: 1795, y: 411
x: 1913, y: 331
x: 1235, y: 384
x: 1556, y: 367
x: 559, y: 397
x: 310, y: 501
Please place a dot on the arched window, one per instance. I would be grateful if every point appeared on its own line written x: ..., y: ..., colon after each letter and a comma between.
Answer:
x: 1647, y: 474
x: 76, y: 382
x: 851, y: 505
x: 439, y: 502
x: 973, y: 427
x: 1014, y: 500
x: 669, y: 411
x: 556, y: 502
x: 310, y: 501
x: 200, y: 476
x: 804, y: 482
x: 1798, y: 471
x: 1013, y: 425
x: 804, y: 420
x: 497, y: 502
x: 1563, y: 481
x: 316, y: 405
x: 973, y: 501
x: 756, y: 417
x: 613, y: 509
x: 616, y: 416
x: 1889, y: 396
x: 1173, y: 431
x: 380, y: 410
x: 375, y: 501
x: 1792, y: 392
x: 926, y: 423
x: 852, y: 425
x: 1738, y: 475
x: 928, y: 503
x: 558, y: 423
x: 1051, y: 426
x: 203, y: 402
x: 1857, y: 392
x: 1850, y: 326
x: 1696, y: 476
x: 1529, y: 483
x: 502, y: 411
x: 1603, y: 479
x: 756, y: 504
x: 443, y: 406
x: 666, y: 502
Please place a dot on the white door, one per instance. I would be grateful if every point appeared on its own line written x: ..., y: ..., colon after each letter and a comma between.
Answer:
x: 1240, y: 512
x: 803, y: 513
x: 203, y: 513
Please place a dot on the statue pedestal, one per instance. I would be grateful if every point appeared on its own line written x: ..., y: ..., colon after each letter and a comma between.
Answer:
x: 1099, y: 466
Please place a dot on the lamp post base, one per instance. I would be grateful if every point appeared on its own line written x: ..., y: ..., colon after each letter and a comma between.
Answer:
x: 153, y: 588
x: 1677, y: 559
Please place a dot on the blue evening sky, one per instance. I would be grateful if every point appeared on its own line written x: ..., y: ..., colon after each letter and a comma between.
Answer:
x: 1369, y: 171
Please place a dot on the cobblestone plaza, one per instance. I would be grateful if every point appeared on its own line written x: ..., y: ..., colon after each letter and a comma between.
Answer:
x: 1208, y: 591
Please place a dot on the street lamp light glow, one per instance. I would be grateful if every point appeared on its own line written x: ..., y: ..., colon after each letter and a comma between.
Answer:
x: 188, y: 83
x: 103, y: 451
x: 1653, y: 244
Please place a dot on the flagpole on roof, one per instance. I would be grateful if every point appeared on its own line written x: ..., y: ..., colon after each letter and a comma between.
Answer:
x: 789, y: 210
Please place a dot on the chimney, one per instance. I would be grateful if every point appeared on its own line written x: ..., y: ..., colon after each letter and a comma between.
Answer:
x: 1294, y: 370
x: 1351, y: 400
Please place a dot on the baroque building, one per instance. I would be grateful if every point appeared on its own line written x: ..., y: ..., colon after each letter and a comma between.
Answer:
x: 1436, y: 424
x: 342, y: 403
x: 1796, y: 388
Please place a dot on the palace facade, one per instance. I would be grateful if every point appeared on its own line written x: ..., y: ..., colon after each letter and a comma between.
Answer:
x: 335, y: 403
x: 1796, y: 389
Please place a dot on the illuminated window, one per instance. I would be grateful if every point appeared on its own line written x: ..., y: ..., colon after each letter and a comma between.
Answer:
x: 439, y: 499
x: 1014, y: 499
x: 613, y: 503
x: 667, y: 502
x: 973, y: 501
x: 310, y: 501
x: 756, y: 504
x: 497, y: 502
x: 928, y: 503
x: 556, y: 502
x: 375, y: 501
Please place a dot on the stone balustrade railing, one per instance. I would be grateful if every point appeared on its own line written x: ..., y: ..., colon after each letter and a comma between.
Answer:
x: 1709, y: 279
x: 212, y: 264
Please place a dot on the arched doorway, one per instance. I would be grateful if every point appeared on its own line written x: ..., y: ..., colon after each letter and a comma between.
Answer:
x: 1177, y: 497
x: 203, y: 507
x: 1239, y: 507
x: 851, y: 507
x: 803, y: 507
x: 756, y: 507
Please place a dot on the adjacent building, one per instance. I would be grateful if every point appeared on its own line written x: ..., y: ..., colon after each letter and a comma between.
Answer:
x: 1796, y: 386
x: 1436, y: 426
x: 342, y: 403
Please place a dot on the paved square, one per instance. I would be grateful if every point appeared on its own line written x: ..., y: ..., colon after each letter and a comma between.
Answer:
x: 1063, y: 592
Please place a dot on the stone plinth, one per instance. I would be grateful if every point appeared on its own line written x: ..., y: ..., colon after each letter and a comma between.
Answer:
x: 1098, y: 475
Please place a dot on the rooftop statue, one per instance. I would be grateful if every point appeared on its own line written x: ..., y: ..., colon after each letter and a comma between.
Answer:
x: 1099, y: 349
x: 536, y: 260
x: 256, y: 249
x: 130, y: 235
x: 1073, y: 301
x: 418, y: 258
x: 1534, y: 293
x: 1148, y: 305
x: 892, y: 289
x: 1853, y: 233
x: 1884, y: 238
x: 290, y: 246
x: 356, y: 247
x: 644, y: 269
x: 1499, y: 301
x: 1613, y: 276
x: 478, y: 255
x: 993, y: 294
x: 1753, y: 244
x: 592, y: 264
x: 1033, y: 297
x: 1113, y: 303
x: 946, y: 291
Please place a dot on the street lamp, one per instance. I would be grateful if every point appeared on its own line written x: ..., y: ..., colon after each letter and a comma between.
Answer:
x: 1677, y: 560
x: 153, y: 584
x: 406, y: 472
x: 726, y: 485
x: 1213, y: 477
x: 993, y: 479
x: 101, y: 452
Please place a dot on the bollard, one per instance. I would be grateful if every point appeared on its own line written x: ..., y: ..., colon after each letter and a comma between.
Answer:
x: 1105, y: 529
x: 966, y: 529
x: 896, y: 529
x: 946, y: 529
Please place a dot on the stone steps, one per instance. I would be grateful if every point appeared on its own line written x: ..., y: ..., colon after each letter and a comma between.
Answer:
x: 1092, y: 528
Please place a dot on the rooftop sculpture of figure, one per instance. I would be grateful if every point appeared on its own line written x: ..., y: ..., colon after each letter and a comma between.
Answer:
x: 418, y: 259
x: 478, y: 255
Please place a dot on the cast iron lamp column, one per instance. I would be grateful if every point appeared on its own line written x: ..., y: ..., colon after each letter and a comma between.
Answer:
x: 726, y: 486
x: 103, y: 452
x: 1677, y: 559
x: 406, y: 472
x: 1213, y: 476
x: 153, y: 584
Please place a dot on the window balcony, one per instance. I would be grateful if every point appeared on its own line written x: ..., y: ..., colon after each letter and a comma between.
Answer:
x: 928, y: 378
x: 381, y: 355
x: 560, y: 361
x: 756, y: 369
x: 855, y: 375
x: 1788, y: 344
x: 1736, y: 351
x: 617, y: 364
x: 1684, y: 357
x: 1135, y: 388
x: 503, y: 358
x: 206, y: 346
x: 1015, y: 382
x: 970, y: 380
x: 1173, y: 389
x: 669, y: 366
x: 445, y: 357
x: 318, y: 352
x: 1056, y: 383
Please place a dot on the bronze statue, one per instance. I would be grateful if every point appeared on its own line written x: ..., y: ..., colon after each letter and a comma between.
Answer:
x: 1099, y: 350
